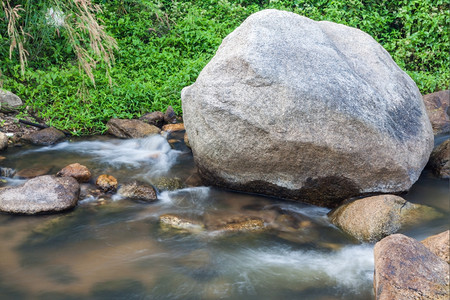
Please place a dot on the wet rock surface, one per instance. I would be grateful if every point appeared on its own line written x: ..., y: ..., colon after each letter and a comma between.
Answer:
x: 173, y: 127
x: 233, y: 222
x: 138, y: 191
x: 79, y: 172
x: 33, y: 172
x: 439, y: 244
x: 43, y: 194
x: 278, y: 123
x: 180, y: 222
x: 438, y: 111
x: 106, y: 183
x: 372, y: 218
x: 406, y: 269
x: 440, y: 160
x: 125, y: 129
x: 168, y: 184
x: 44, y: 137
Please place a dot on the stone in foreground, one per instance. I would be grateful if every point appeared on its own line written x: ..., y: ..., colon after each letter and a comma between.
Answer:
x: 373, y: 218
x: 406, y: 269
x: 43, y: 194
x: 305, y: 110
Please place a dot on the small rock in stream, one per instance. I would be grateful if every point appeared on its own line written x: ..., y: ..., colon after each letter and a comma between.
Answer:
x: 180, y: 222
x: 138, y: 191
x: 44, y: 137
x: 106, y: 183
x: 79, y: 172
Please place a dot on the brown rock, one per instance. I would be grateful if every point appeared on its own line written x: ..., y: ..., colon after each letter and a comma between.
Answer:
x: 155, y: 118
x: 138, y: 191
x: 437, y: 105
x: 3, y: 141
x: 79, y: 172
x: 439, y: 245
x: 173, y: 127
x: 372, y: 218
x: 124, y: 128
x: 106, y: 183
x: 180, y: 222
x: 233, y: 222
x: 170, y: 117
x: 47, y: 136
x: 406, y: 269
x: 440, y: 160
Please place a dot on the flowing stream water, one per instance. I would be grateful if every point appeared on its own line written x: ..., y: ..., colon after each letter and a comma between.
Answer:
x: 115, y: 248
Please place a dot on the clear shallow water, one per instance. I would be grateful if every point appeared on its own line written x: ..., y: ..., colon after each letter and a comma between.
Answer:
x: 113, y: 248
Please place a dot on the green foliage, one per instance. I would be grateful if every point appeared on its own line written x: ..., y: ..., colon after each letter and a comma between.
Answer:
x: 164, y: 45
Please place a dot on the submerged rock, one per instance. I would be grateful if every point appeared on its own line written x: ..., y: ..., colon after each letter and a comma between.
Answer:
x: 439, y: 244
x: 44, y: 137
x: 304, y: 110
x: 138, y: 191
x: 440, y: 160
x: 168, y: 184
x: 406, y: 269
x: 79, y: 172
x: 233, y: 222
x: 41, y: 194
x: 33, y: 172
x: 371, y: 219
x: 125, y: 129
x: 438, y: 110
x: 106, y: 183
x: 180, y: 222
x: 155, y: 118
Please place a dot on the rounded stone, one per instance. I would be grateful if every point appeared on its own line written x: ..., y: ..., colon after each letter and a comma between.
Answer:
x: 79, y: 172
x: 305, y: 110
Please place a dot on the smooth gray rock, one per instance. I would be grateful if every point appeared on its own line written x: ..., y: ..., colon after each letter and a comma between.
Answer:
x: 41, y: 194
x: 305, y: 110
x: 9, y: 99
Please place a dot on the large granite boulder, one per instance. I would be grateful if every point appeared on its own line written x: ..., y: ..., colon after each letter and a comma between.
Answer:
x: 438, y: 110
x: 371, y: 219
x: 406, y: 269
x: 41, y: 194
x: 305, y: 110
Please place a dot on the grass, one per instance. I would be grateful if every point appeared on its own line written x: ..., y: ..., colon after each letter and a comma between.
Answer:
x: 162, y: 47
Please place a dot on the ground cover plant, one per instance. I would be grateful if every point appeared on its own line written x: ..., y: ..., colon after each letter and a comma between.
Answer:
x: 163, y: 45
